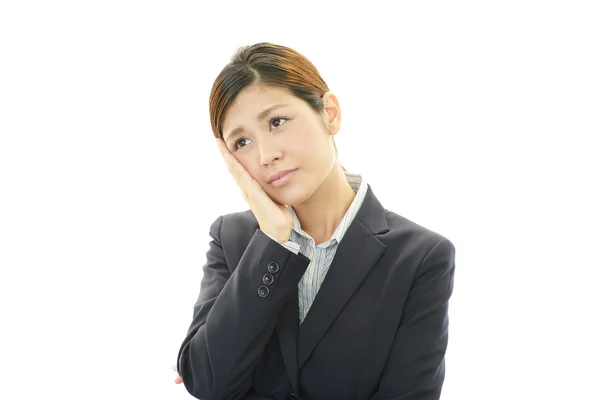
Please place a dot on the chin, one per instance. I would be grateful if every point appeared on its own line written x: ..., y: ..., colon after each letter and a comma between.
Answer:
x: 290, y: 196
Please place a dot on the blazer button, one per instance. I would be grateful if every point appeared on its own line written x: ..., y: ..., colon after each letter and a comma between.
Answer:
x: 273, y: 267
x: 268, y: 279
x: 263, y: 291
x: 291, y: 396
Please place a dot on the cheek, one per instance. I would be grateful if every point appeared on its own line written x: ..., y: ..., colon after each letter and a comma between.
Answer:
x: 251, y: 168
x: 309, y: 145
x: 301, y: 142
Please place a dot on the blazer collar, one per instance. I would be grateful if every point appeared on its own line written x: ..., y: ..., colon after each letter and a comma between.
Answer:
x: 348, y: 269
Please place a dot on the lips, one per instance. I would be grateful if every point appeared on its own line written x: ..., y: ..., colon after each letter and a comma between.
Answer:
x: 284, y: 179
x: 280, y: 174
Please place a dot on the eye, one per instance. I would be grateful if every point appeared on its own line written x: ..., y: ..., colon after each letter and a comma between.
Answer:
x: 274, y: 122
x: 278, y: 118
x: 236, y: 144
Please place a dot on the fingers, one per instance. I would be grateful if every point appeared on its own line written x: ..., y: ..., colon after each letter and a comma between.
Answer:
x: 224, y: 150
x: 228, y: 157
x: 236, y: 169
x: 231, y: 161
x: 178, y: 378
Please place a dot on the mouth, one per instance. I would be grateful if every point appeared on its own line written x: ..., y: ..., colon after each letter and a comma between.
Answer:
x: 283, y: 179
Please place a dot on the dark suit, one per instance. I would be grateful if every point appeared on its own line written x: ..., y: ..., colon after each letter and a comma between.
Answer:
x: 378, y: 328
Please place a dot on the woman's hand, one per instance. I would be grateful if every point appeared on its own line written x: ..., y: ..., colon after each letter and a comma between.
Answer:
x: 178, y: 379
x: 273, y: 218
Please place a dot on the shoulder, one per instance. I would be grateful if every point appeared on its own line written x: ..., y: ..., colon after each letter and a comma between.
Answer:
x: 403, y: 226
x: 235, y: 227
x: 413, y: 237
x: 414, y: 253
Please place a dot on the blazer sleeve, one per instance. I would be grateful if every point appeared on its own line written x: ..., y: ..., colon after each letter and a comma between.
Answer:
x: 291, y: 246
x: 235, y: 314
x: 415, y: 369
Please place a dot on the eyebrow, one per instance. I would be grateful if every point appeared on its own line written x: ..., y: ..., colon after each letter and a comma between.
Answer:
x: 262, y: 115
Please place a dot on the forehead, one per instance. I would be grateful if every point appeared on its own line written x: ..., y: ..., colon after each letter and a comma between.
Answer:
x: 260, y: 92
x: 254, y: 99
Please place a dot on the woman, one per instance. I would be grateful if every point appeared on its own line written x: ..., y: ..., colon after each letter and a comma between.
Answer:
x: 317, y: 291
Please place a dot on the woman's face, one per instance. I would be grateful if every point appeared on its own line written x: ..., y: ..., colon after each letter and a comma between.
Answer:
x: 290, y: 135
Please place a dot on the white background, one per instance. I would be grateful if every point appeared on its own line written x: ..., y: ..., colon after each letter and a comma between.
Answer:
x: 477, y: 119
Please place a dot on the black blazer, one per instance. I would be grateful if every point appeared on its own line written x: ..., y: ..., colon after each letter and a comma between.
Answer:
x: 378, y: 327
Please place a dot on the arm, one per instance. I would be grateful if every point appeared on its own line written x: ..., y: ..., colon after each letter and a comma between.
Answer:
x: 415, y: 369
x: 232, y: 323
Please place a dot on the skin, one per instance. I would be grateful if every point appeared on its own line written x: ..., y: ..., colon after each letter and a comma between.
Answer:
x: 319, y: 191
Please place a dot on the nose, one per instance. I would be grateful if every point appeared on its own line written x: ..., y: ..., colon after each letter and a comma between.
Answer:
x: 269, y: 151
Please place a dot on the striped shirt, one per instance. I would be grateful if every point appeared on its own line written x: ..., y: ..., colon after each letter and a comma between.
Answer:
x: 321, y: 256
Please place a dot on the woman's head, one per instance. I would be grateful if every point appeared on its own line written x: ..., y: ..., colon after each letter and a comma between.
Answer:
x: 295, y: 132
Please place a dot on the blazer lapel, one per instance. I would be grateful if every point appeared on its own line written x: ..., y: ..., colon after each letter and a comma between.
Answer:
x: 356, y: 254
x: 287, y: 335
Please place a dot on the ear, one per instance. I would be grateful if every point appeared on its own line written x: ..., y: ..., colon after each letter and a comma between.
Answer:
x: 333, y: 113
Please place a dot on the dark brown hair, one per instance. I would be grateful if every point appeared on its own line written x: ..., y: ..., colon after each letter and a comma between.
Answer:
x: 271, y: 65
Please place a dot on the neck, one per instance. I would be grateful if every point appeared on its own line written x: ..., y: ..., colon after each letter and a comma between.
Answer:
x: 323, y: 211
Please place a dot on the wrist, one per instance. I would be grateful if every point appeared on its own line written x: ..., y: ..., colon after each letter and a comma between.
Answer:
x: 279, y: 239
